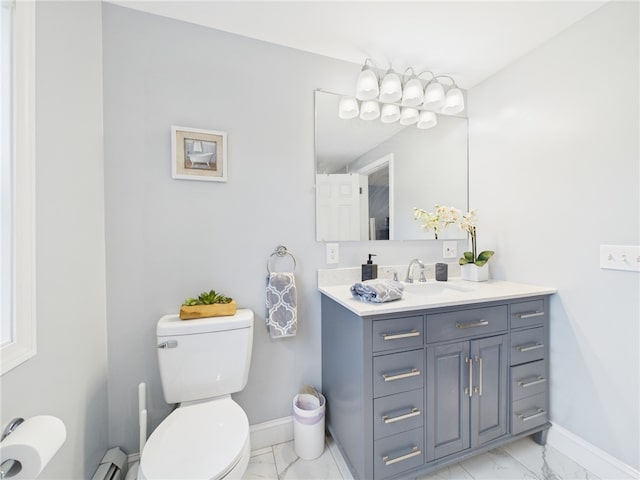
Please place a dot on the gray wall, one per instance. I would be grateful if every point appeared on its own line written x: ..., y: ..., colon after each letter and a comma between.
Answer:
x: 554, y: 174
x: 68, y: 376
x: 169, y: 239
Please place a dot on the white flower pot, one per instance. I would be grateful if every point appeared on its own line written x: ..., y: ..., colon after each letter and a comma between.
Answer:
x: 474, y: 273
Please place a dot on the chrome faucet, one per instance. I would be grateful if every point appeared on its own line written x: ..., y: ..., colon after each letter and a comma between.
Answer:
x: 409, y: 278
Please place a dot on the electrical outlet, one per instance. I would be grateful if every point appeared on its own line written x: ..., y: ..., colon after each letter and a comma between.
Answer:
x: 333, y: 253
x: 449, y: 249
x: 620, y: 257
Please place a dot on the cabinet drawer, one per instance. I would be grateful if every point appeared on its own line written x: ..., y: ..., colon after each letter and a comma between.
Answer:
x: 528, y: 379
x: 398, y: 372
x: 528, y: 413
x: 398, y: 413
x: 528, y: 314
x: 398, y: 453
x: 466, y: 323
x: 398, y: 333
x: 527, y: 345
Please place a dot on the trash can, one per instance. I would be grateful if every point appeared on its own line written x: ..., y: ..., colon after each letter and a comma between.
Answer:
x: 308, y: 425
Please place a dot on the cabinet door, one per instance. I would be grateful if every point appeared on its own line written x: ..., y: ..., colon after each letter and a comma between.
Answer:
x: 489, y: 400
x: 447, y: 399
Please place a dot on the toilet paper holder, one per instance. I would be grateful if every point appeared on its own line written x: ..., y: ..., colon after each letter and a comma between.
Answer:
x: 8, y: 465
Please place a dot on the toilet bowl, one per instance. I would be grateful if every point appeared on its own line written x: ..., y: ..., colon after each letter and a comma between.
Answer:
x: 202, y: 362
x: 208, y: 440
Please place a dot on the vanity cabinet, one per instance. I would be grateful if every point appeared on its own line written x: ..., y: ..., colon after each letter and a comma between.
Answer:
x: 410, y: 392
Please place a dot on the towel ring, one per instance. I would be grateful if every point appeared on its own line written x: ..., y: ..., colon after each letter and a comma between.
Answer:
x: 280, y: 251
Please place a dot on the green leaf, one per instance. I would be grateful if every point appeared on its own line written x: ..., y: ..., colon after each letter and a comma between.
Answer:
x: 483, y: 257
x: 467, y: 258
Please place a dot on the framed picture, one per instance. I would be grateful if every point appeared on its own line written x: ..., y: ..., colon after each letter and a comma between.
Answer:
x: 199, y: 154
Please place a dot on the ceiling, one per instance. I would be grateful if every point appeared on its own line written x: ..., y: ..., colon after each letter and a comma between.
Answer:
x: 470, y: 40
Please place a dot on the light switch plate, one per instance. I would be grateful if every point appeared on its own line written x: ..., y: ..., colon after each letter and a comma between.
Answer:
x: 620, y: 257
x: 333, y: 253
x: 449, y: 249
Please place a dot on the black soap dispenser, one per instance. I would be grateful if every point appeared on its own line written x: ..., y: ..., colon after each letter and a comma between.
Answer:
x: 369, y: 269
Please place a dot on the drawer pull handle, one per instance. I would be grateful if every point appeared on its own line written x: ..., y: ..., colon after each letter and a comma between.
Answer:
x: 398, y: 336
x: 537, y: 381
x: 528, y: 348
x: 390, y: 378
x: 413, y: 413
x: 539, y: 413
x: 529, y: 314
x: 480, y: 323
x: 415, y: 451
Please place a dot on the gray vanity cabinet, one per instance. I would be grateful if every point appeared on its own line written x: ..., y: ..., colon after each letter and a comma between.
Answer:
x: 466, y: 395
x: 410, y: 392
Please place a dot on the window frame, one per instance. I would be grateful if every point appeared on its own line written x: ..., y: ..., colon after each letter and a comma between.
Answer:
x: 23, y: 345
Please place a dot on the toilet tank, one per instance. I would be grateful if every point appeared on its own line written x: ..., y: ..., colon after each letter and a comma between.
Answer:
x: 204, y: 358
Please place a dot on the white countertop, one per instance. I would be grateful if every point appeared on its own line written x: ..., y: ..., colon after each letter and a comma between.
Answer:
x: 470, y: 293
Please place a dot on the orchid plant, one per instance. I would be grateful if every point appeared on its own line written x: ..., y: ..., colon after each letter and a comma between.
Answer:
x: 445, y: 216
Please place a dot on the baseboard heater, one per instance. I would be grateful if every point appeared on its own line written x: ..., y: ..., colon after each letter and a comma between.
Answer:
x: 112, y: 466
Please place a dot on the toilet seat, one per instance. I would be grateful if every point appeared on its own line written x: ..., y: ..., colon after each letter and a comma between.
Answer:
x: 201, y: 441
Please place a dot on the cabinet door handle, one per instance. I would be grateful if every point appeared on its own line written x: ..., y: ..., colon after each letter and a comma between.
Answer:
x: 537, y: 381
x: 539, y: 413
x: 390, y: 378
x: 398, y: 336
x: 413, y: 413
x: 415, y: 451
x: 479, y: 360
x: 529, y: 314
x: 480, y: 323
x: 469, y: 389
x: 528, y: 348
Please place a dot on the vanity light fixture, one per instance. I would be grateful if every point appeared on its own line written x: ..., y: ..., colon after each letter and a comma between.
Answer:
x: 348, y: 108
x: 369, y: 110
x: 367, y: 85
x: 406, y: 98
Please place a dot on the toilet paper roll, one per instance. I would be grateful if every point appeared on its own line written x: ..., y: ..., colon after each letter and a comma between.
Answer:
x: 33, y: 444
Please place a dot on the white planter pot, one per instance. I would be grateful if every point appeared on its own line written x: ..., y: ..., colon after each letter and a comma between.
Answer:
x: 474, y: 273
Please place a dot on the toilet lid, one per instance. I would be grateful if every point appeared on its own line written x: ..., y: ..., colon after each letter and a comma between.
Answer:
x: 198, y: 441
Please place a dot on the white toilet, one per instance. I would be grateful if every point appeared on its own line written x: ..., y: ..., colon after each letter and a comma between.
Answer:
x: 202, y: 362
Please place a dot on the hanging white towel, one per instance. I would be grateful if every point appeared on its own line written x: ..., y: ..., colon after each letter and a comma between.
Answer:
x: 282, y: 301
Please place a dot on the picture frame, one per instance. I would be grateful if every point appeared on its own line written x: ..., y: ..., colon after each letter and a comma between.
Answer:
x: 198, y: 154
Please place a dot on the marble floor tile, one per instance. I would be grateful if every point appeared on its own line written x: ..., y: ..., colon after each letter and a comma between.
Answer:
x: 452, y: 472
x: 546, y: 462
x: 290, y: 467
x: 343, y: 468
x: 261, y: 466
x: 497, y: 464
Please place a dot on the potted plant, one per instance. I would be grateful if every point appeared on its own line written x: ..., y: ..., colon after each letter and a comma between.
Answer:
x: 208, y: 304
x: 474, y: 265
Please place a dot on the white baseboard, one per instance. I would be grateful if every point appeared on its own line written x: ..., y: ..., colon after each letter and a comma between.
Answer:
x: 595, y: 460
x: 270, y: 433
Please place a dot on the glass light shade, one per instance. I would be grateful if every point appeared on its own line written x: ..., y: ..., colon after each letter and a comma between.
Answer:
x: 412, y: 94
x: 369, y: 110
x: 348, y: 108
x: 390, y: 113
x: 367, y: 85
x: 390, y: 88
x: 409, y: 116
x: 453, y: 102
x: 434, y: 96
x: 427, y: 120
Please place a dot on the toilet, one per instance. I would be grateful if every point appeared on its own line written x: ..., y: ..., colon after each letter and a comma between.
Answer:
x: 202, y: 362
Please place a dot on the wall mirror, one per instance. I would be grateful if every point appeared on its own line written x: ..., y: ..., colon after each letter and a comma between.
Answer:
x: 370, y: 175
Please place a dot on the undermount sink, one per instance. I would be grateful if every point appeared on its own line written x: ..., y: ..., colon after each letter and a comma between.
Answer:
x: 435, y: 289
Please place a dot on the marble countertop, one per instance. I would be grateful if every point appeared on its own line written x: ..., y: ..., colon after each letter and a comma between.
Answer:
x: 461, y: 293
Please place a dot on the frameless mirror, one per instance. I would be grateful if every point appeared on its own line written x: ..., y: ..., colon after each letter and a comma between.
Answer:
x: 370, y: 175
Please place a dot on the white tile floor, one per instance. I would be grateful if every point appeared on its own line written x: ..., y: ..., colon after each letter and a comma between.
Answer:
x: 521, y: 460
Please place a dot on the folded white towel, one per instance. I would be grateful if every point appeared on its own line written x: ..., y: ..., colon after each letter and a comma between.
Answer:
x: 282, y: 300
x: 379, y: 290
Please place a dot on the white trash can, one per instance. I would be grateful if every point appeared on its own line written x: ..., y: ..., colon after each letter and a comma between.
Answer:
x: 308, y: 425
